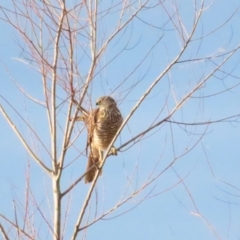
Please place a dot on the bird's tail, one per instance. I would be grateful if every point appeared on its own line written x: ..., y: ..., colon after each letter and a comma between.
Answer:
x: 92, y: 167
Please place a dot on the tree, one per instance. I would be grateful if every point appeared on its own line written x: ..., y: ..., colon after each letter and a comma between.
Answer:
x: 173, y: 70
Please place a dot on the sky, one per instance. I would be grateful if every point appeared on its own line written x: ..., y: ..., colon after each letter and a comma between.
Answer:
x: 197, y: 197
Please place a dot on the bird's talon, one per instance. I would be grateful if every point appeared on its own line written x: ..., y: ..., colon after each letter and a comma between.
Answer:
x: 113, y: 151
x: 80, y: 118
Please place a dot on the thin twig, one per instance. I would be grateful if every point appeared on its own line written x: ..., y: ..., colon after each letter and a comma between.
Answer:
x: 4, y: 232
x: 23, y: 141
x: 16, y: 227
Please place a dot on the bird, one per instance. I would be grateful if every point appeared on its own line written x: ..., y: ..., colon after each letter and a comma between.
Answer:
x: 102, y: 125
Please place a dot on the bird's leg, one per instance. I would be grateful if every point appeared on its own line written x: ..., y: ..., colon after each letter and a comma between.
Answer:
x: 80, y: 118
x: 113, y: 151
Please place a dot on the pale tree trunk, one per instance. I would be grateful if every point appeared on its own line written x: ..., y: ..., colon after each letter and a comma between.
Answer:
x: 57, y: 209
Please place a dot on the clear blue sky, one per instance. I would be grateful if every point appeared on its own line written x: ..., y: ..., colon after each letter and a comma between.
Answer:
x: 210, y: 171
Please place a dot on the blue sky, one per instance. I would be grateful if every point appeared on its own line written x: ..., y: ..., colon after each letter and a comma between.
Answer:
x: 209, y: 172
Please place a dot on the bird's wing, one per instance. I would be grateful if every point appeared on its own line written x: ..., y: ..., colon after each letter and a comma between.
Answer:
x: 91, y: 124
x: 93, y: 157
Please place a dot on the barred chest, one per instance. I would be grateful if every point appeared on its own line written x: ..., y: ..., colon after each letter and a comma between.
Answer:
x: 106, y: 127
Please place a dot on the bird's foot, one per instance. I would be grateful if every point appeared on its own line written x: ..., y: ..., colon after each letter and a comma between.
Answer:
x: 78, y: 118
x: 113, y: 151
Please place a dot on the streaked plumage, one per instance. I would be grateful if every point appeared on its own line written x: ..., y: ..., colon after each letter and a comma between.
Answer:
x: 102, y: 124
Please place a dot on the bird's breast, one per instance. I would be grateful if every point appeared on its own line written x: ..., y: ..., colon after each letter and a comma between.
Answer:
x: 106, y: 127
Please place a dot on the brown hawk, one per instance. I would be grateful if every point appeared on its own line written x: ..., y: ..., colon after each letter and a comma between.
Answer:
x: 102, y: 125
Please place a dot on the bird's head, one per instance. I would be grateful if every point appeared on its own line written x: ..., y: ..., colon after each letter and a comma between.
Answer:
x: 106, y: 101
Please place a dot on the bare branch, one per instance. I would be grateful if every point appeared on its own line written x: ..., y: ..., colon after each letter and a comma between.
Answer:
x: 4, y: 232
x: 15, y: 226
x: 23, y: 141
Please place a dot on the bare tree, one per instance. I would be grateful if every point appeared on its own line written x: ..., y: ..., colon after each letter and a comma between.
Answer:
x: 163, y: 62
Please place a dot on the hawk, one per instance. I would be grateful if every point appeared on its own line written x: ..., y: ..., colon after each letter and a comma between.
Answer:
x: 102, y: 125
